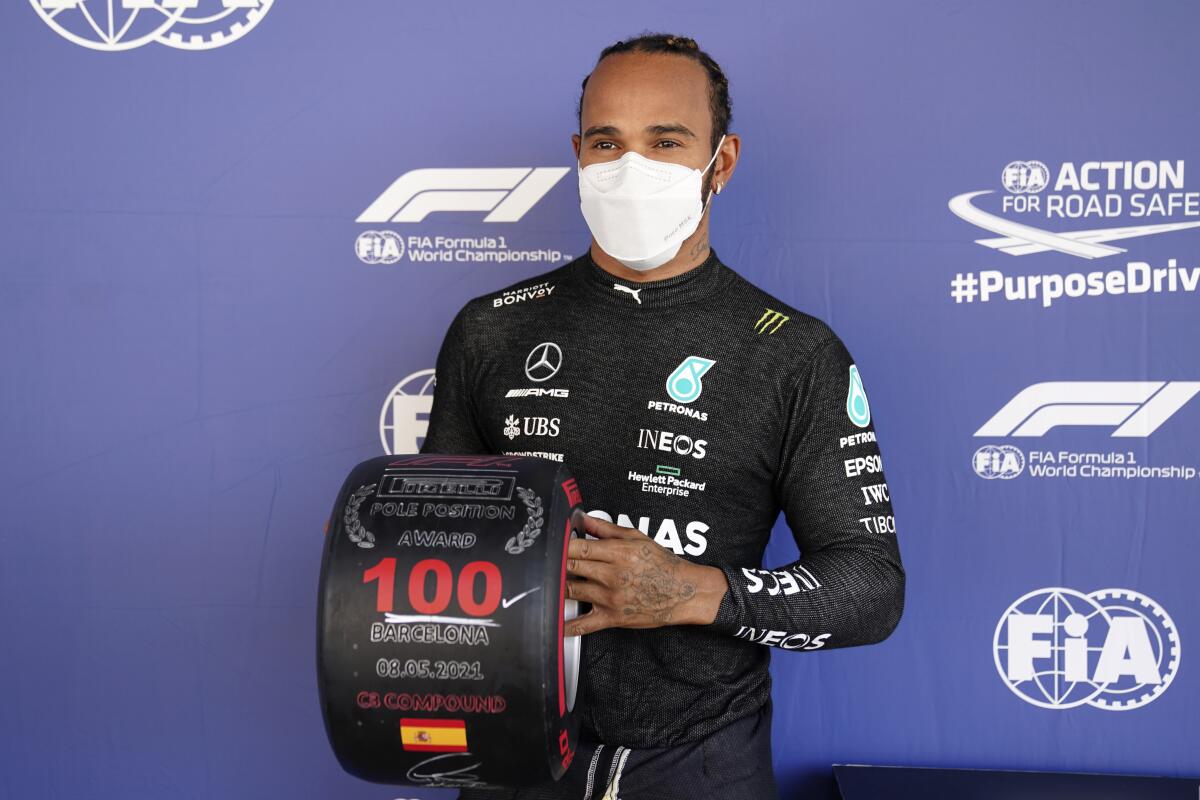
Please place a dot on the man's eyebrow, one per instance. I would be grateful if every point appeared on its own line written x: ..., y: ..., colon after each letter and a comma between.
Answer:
x: 656, y: 130
x: 670, y: 127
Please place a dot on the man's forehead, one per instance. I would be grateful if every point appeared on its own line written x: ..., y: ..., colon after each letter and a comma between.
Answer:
x: 633, y: 90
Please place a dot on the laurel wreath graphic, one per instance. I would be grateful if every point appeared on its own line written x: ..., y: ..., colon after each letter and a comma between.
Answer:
x: 354, y: 528
x: 533, y: 526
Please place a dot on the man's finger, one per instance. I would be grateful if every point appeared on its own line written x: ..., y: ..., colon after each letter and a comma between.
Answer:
x: 588, y: 592
x: 603, y: 529
x: 593, y: 550
x: 592, y: 570
x: 594, y: 620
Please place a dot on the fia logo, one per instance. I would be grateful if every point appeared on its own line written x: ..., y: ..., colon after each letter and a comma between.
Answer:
x: 179, y: 24
x: 998, y: 461
x: 1113, y: 649
x: 684, y: 384
x: 404, y: 418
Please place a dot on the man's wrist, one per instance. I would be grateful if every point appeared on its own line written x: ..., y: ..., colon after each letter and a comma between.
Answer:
x: 711, y: 586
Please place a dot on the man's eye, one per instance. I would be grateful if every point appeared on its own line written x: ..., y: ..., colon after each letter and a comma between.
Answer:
x: 668, y: 141
x: 598, y: 147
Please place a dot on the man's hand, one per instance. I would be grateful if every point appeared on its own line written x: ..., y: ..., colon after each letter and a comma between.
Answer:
x: 634, y: 582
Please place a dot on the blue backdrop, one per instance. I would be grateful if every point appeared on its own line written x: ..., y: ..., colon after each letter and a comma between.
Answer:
x: 222, y: 286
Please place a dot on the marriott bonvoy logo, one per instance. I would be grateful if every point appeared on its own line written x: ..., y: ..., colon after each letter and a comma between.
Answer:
x: 1079, y: 209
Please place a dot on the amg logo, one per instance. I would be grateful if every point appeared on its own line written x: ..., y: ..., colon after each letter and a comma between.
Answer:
x: 538, y: 392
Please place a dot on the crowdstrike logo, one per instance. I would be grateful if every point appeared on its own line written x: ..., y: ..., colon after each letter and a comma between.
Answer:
x: 1143, y: 190
x: 179, y: 24
x: 506, y: 193
x: 1113, y: 649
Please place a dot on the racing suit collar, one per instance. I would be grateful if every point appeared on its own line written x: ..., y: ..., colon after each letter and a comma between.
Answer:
x: 698, y: 282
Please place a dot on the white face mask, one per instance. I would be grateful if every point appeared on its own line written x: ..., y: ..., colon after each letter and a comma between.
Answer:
x: 640, y: 210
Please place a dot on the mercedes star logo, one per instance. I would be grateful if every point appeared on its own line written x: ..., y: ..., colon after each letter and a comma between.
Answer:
x: 543, y: 362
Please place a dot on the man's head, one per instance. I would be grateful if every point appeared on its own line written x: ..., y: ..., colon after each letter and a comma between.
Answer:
x: 661, y: 96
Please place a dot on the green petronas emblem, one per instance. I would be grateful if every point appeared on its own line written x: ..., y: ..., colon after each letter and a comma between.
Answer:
x: 684, y: 384
x: 857, y: 407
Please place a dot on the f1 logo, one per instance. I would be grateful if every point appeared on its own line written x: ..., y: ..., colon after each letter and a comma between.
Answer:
x: 1137, y: 408
x: 506, y: 192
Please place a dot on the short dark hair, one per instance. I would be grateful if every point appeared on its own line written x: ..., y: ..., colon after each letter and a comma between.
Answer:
x: 720, y: 106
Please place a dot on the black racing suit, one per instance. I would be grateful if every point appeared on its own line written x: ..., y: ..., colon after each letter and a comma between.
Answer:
x: 693, y: 408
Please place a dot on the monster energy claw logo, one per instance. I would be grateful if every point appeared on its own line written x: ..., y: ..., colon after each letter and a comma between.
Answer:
x: 857, y: 407
x: 684, y: 384
x: 770, y: 318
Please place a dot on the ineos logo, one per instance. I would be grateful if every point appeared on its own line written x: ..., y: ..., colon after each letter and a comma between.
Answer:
x: 543, y: 362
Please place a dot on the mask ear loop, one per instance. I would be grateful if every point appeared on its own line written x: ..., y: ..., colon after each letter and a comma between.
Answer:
x: 710, y: 163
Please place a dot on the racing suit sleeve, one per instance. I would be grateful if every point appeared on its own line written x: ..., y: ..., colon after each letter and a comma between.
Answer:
x: 847, y: 587
x: 453, y: 422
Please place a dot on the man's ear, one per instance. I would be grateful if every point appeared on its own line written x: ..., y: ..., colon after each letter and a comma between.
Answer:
x: 575, y: 144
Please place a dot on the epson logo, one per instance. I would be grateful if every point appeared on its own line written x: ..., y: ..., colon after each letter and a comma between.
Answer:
x: 538, y: 392
x: 677, y: 443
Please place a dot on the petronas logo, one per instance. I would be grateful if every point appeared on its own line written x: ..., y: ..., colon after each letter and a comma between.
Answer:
x: 771, y: 319
x: 857, y: 407
x: 684, y: 383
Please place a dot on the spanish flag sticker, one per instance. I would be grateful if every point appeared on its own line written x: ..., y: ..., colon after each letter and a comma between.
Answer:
x: 434, y: 735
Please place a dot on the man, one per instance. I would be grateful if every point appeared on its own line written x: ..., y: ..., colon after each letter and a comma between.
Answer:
x: 692, y: 407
